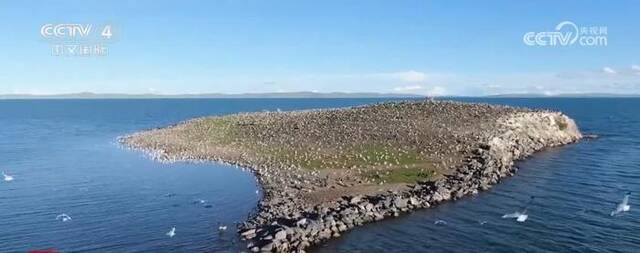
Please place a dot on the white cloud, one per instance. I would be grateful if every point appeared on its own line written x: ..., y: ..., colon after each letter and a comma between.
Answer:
x: 635, y: 68
x: 419, y: 89
x: 411, y: 76
x: 436, y: 91
x: 609, y: 70
x: 408, y: 88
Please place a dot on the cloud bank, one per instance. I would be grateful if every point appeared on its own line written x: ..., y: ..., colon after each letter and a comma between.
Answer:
x: 607, y: 79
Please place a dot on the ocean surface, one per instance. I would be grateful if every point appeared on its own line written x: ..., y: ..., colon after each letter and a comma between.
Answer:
x: 64, y: 158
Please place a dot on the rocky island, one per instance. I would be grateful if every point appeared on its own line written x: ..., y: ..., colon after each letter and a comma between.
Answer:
x: 326, y: 171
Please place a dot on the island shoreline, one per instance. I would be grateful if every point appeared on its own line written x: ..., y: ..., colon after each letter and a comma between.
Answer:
x: 278, y: 227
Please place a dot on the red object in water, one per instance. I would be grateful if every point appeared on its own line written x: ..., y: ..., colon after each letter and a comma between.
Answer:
x: 44, y: 251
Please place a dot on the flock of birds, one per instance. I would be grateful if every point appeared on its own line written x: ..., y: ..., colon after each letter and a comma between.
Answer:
x: 520, y: 216
x: 65, y: 217
x: 172, y: 232
x: 203, y: 202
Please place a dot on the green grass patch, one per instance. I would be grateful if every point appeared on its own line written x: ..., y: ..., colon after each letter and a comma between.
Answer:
x: 403, y: 175
x: 562, y: 125
x: 333, y: 159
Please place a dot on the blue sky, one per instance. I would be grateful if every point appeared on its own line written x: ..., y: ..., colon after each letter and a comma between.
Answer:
x: 426, y: 47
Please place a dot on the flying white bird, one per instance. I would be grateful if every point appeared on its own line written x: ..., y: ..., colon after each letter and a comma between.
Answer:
x: 7, y: 178
x: 172, y: 232
x: 64, y: 217
x: 221, y: 227
x: 440, y: 222
x: 622, y: 207
x: 520, y: 216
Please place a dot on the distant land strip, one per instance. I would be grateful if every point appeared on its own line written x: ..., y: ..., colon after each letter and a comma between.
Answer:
x: 301, y: 94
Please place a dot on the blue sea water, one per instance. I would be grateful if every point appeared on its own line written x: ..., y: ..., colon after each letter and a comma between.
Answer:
x: 65, y: 158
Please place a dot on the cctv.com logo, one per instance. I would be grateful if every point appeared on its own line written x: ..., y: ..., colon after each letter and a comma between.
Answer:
x: 568, y: 33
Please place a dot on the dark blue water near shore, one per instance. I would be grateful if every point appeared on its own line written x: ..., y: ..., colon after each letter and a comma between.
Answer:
x: 64, y: 158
